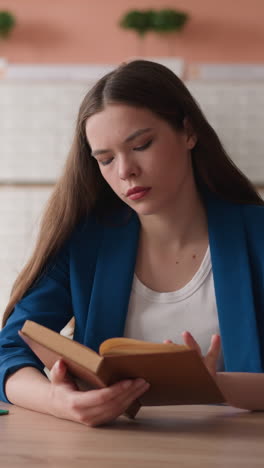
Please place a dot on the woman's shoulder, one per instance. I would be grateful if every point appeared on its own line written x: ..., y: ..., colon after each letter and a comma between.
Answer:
x: 87, y: 229
x: 93, y: 226
x: 250, y: 211
x: 254, y: 212
x: 253, y: 216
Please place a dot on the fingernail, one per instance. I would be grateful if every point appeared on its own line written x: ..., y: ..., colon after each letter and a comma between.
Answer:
x: 126, y: 384
x: 144, y: 388
x: 57, y: 365
x: 139, y: 382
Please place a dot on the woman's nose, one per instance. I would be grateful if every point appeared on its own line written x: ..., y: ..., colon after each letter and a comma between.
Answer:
x: 127, y: 169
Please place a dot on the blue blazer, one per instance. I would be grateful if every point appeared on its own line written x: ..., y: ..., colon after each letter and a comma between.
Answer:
x: 91, y: 278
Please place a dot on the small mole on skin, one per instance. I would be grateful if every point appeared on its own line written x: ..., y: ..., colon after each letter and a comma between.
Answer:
x: 194, y: 256
x: 177, y: 263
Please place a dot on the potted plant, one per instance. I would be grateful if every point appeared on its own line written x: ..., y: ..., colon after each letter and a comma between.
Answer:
x: 7, y: 23
x: 165, y: 22
x: 140, y: 22
x: 168, y: 21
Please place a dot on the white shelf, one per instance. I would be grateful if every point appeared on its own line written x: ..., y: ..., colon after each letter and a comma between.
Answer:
x: 56, y: 72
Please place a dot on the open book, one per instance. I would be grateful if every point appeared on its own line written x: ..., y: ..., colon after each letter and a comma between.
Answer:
x: 176, y: 373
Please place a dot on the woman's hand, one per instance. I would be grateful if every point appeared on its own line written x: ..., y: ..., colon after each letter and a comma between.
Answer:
x: 93, y: 407
x: 211, y: 358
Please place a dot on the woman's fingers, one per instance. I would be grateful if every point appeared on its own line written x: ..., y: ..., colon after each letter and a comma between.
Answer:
x: 58, y: 372
x: 211, y: 358
x: 100, y: 406
x: 105, y: 395
x: 59, y: 375
x: 215, y: 346
x: 213, y: 354
x: 191, y: 342
x: 119, y: 405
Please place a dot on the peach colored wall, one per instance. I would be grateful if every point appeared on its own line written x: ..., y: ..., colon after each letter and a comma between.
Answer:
x: 86, y: 31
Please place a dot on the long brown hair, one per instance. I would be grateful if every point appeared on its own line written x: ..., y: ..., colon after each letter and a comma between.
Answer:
x: 141, y: 84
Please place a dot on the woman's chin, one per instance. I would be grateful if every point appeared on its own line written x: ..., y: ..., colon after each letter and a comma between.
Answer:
x: 144, y: 210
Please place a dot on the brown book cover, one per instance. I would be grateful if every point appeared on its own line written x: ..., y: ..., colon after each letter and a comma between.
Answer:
x: 177, y: 374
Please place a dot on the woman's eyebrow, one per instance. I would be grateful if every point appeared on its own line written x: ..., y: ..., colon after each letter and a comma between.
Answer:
x: 137, y: 133
x: 128, y: 139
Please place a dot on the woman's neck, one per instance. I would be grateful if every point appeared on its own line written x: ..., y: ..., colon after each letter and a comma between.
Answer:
x: 183, y: 223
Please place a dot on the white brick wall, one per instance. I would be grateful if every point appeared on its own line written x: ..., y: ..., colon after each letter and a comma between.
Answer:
x: 36, y: 127
x: 236, y: 111
x: 37, y: 121
x: 20, y: 210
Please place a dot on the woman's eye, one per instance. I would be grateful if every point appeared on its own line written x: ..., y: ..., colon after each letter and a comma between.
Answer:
x: 106, y: 162
x: 143, y: 147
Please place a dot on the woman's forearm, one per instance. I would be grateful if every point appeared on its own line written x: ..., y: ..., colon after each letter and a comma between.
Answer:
x: 29, y: 388
x: 60, y: 396
x: 242, y: 390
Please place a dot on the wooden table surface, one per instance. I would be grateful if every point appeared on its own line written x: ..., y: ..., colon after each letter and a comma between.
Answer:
x: 179, y: 436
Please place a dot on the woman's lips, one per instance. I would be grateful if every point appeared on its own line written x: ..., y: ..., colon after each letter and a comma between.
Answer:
x: 138, y: 193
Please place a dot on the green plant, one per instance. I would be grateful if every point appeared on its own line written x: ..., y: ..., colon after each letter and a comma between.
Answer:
x: 140, y: 21
x: 160, y: 21
x: 168, y: 20
x: 7, y: 22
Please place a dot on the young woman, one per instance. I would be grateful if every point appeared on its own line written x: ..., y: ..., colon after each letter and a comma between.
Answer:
x: 152, y: 233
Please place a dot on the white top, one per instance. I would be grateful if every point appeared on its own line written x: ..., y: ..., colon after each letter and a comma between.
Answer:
x: 154, y: 316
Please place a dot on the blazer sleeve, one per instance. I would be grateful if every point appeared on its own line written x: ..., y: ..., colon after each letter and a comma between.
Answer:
x: 47, y: 302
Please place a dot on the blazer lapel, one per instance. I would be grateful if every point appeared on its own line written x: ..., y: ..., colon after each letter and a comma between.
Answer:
x: 112, y: 282
x: 233, y: 287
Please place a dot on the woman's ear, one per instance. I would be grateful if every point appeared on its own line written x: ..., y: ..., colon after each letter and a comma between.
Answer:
x: 190, y: 134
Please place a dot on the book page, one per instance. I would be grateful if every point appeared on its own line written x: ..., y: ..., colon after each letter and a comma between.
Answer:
x: 132, y: 346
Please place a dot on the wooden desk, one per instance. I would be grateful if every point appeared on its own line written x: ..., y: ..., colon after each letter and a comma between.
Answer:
x: 184, y: 436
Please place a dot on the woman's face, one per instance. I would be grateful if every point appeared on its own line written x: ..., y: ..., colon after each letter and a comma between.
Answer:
x: 143, y: 159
